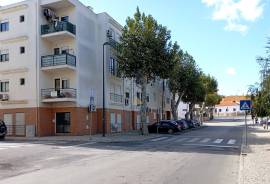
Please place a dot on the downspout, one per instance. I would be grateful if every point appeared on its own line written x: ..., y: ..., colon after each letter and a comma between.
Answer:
x: 37, y: 68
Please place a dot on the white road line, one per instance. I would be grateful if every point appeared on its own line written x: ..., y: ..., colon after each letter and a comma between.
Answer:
x: 76, y: 145
x: 159, y: 139
x: 205, y: 140
x: 218, y: 141
x: 3, y: 148
x: 211, y: 145
x: 181, y: 140
x: 231, y: 141
x: 194, y: 140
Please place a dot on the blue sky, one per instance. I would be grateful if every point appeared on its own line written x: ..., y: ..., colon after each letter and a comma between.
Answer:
x: 224, y: 36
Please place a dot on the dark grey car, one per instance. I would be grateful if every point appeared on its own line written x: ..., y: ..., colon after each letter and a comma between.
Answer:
x: 3, y: 129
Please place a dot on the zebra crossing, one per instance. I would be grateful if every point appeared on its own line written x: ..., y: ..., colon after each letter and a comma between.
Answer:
x: 197, y: 141
x: 5, y: 146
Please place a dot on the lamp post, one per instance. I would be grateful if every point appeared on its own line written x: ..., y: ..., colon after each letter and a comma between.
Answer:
x: 110, y: 43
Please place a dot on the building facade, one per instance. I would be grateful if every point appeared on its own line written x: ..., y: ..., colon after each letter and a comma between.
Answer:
x: 51, y: 63
x: 229, y: 106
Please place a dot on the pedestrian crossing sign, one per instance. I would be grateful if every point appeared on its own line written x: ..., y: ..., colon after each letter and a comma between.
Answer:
x: 245, y: 105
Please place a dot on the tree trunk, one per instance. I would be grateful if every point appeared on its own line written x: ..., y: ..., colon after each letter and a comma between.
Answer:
x: 191, y: 106
x: 174, y: 105
x: 143, y: 108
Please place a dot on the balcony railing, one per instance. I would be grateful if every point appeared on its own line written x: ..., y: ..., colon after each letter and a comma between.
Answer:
x: 53, y: 93
x: 58, y: 60
x: 58, y: 27
x: 116, y: 98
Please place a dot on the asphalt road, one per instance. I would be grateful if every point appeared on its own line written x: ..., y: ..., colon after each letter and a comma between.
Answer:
x: 209, y: 155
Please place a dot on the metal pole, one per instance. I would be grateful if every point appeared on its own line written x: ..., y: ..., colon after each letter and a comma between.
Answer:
x: 246, y: 127
x: 103, y: 108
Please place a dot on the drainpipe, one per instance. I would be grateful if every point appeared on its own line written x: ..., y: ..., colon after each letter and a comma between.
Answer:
x: 37, y: 67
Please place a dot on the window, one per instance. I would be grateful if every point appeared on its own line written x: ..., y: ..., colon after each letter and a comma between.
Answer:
x: 4, y: 26
x: 227, y: 110
x: 4, y: 56
x: 127, y: 99
x: 4, y: 86
x: 220, y: 110
x: 56, y: 51
x: 113, y: 66
x: 65, y: 19
x: 147, y: 98
x: 22, y: 18
x: 168, y: 100
x: 22, y: 50
x: 22, y: 81
x: 65, y: 84
x: 234, y: 109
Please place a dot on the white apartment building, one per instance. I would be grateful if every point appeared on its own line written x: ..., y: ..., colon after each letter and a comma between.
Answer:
x: 51, y: 71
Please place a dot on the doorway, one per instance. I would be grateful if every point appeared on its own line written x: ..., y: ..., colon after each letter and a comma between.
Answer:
x: 62, y: 122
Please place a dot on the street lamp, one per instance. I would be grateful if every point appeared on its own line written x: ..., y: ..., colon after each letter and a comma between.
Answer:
x: 110, y: 43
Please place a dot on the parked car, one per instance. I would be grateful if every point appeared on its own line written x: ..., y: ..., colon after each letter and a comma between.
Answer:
x: 3, y: 129
x: 164, y: 126
x: 190, y: 124
x: 196, y: 123
x: 183, y: 124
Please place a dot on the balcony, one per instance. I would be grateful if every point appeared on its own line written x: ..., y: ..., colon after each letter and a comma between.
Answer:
x: 115, y: 98
x: 53, y: 95
x: 62, y: 61
x: 58, y: 31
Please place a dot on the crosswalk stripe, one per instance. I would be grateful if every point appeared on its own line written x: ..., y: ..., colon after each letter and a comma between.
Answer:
x: 159, y: 139
x: 194, y: 140
x: 205, y: 140
x: 218, y: 141
x: 181, y: 140
x: 231, y: 141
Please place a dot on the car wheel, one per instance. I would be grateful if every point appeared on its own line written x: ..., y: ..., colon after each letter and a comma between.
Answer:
x: 170, y: 131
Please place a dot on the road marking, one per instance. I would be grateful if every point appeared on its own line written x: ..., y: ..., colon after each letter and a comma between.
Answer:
x: 181, y: 140
x: 218, y: 141
x: 159, y: 139
x: 211, y: 145
x: 231, y: 141
x: 76, y: 145
x: 205, y: 140
x: 194, y: 140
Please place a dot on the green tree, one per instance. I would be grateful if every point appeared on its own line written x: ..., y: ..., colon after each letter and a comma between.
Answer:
x: 211, y: 98
x: 144, y: 53
x: 181, y: 79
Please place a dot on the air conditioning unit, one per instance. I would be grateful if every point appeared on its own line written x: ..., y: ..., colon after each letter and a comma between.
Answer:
x: 5, y: 97
x: 92, y: 108
x: 109, y: 34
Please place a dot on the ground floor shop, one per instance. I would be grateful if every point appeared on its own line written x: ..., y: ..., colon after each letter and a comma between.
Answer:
x: 72, y: 121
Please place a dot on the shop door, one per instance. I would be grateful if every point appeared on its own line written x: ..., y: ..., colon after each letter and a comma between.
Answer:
x: 62, y: 122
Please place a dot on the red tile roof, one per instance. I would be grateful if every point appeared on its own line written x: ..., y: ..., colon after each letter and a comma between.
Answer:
x: 231, y: 101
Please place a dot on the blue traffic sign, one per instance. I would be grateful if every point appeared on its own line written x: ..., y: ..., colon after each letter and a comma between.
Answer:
x: 245, y: 105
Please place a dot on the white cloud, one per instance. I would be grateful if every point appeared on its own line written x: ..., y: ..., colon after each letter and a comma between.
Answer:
x: 236, y: 13
x: 231, y: 71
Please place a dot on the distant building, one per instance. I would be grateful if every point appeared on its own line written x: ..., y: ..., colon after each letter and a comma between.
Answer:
x: 229, y: 106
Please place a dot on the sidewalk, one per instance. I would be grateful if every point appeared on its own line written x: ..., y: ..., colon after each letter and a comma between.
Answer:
x: 117, y: 137
x: 255, y: 160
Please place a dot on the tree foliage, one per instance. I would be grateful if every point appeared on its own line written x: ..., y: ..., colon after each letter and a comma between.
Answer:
x: 145, y: 52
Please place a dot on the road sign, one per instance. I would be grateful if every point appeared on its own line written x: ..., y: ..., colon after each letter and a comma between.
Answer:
x: 245, y: 105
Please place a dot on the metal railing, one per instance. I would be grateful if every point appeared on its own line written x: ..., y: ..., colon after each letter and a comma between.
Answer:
x: 15, y: 130
x: 58, y: 60
x: 52, y: 93
x: 116, y: 98
x: 58, y: 27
